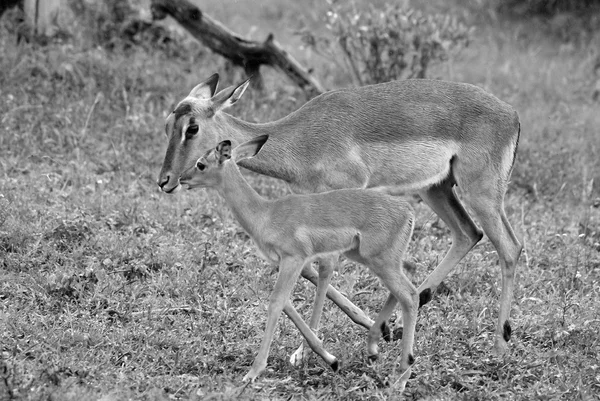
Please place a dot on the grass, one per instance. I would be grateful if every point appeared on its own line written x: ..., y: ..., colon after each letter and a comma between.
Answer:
x: 112, y: 290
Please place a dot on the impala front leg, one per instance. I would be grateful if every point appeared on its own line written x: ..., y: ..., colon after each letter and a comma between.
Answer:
x: 311, y: 339
x: 289, y: 270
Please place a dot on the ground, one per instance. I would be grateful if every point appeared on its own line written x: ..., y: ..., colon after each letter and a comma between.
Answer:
x: 112, y: 290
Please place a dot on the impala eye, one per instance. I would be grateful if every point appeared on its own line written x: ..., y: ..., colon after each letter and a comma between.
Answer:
x: 192, y: 130
x: 200, y: 166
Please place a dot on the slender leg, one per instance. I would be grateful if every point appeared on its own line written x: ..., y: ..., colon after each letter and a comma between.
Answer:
x: 326, y: 266
x: 404, y: 292
x: 409, y: 302
x: 376, y: 330
x: 289, y: 270
x: 312, y: 340
x: 496, y: 226
x: 465, y: 234
x: 355, y: 313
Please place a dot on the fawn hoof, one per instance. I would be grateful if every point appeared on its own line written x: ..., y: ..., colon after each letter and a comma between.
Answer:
x: 372, y: 358
x: 248, y: 378
x: 251, y: 376
x: 298, y: 356
x: 335, y: 365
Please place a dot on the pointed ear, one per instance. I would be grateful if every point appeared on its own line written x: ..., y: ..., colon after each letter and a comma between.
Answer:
x: 250, y: 148
x: 229, y: 96
x: 223, y: 151
x: 206, y: 89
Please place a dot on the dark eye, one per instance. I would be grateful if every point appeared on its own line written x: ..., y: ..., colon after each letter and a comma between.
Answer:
x: 192, y: 130
x: 200, y: 166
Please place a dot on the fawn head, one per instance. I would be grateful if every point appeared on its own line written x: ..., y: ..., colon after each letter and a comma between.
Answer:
x: 208, y: 170
x: 194, y: 127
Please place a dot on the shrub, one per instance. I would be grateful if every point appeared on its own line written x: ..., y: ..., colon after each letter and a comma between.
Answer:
x: 396, y: 42
x: 545, y: 7
x: 566, y: 20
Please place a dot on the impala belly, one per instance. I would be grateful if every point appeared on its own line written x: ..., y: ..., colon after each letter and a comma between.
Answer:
x: 324, y: 241
x: 410, y: 167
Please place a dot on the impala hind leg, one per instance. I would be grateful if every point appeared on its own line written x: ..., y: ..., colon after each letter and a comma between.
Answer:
x: 465, y: 234
x: 379, y: 327
x: 289, y: 270
x: 326, y: 266
x: 404, y: 292
x: 490, y: 213
x: 354, y: 313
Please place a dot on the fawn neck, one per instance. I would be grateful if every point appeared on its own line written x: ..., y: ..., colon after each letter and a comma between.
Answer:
x: 247, y: 205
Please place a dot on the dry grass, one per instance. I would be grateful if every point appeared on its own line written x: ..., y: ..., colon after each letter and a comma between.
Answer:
x: 111, y: 290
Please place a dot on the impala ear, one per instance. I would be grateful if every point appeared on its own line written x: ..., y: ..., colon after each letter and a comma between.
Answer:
x: 229, y: 96
x: 250, y: 148
x: 206, y: 89
x: 223, y: 151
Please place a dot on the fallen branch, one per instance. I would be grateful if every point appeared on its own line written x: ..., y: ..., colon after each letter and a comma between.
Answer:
x: 242, y: 52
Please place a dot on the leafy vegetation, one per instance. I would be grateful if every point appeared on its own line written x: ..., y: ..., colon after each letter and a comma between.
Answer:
x: 112, y: 290
x: 547, y: 8
x: 396, y: 42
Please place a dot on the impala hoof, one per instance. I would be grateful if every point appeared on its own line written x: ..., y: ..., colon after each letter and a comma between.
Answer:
x: 506, y: 331
x: 385, y: 332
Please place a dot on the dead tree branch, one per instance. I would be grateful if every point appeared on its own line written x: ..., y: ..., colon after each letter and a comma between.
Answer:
x: 242, y: 52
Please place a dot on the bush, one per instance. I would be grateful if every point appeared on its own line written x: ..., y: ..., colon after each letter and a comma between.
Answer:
x: 395, y: 42
x: 565, y: 20
x: 545, y: 7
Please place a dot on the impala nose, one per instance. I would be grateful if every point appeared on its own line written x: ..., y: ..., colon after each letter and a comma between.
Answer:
x: 163, y: 180
x: 168, y: 185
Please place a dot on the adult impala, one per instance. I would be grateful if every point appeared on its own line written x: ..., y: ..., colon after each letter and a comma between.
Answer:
x: 413, y: 136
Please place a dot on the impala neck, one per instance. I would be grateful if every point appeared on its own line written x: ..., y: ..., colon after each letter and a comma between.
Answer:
x: 247, y: 206
x: 273, y: 161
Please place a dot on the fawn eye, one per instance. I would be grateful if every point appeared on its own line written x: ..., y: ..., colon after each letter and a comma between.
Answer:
x: 191, y: 130
x: 200, y: 166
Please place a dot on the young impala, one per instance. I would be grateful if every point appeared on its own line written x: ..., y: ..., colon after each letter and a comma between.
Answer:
x: 369, y: 227
x: 413, y: 136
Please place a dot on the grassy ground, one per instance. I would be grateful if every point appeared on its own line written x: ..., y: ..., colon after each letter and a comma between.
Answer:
x: 111, y: 290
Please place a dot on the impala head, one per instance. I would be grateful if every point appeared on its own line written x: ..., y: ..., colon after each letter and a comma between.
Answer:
x: 208, y: 170
x: 194, y: 127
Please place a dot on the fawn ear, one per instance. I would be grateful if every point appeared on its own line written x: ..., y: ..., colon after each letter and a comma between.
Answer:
x: 229, y: 96
x: 223, y: 151
x: 250, y: 148
x: 206, y: 89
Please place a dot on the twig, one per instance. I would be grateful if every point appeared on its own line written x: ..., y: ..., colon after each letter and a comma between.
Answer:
x: 524, y: 237
x: 89, y: 115
x: 164, y: 311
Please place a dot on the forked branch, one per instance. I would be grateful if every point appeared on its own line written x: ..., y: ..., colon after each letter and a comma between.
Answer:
x: 242, y: 52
